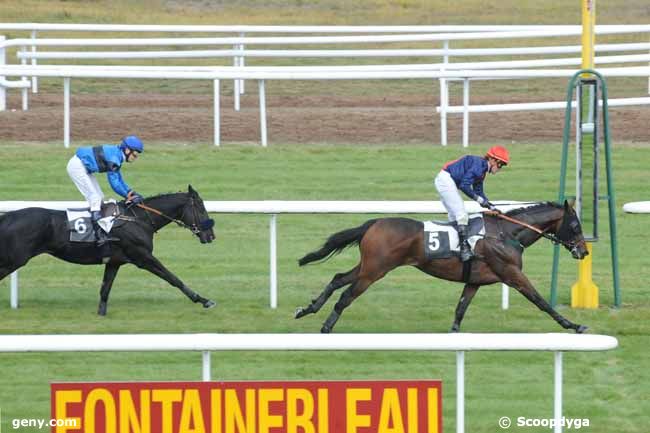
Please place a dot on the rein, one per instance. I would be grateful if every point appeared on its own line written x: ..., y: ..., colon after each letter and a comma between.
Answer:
x: 177, y: 221
x: 543, y: 233
x: 157, y: 212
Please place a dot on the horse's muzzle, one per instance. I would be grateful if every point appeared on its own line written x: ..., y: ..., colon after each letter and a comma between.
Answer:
x: 205, y: 231
x: 206, y: 236
x: 579, y: 252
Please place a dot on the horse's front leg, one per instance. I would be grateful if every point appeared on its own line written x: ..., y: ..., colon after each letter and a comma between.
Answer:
x: 465, y: 298
x: 513, y: 277
x: 110, y: 271
x: 153, y: 265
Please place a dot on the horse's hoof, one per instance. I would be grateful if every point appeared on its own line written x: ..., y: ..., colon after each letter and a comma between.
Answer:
x: 581, y: 329
x: 101, y: 310
x: 325, y: 330
x: 302, y: 312
x: 209, y: 304
x: 454, y: 328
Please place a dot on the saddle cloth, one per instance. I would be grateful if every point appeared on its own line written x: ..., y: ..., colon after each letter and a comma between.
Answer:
x: 80, y: 224
x: 441, y: 238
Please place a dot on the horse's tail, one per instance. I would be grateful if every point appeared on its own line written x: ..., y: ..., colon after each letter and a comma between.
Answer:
x: 337, y: 243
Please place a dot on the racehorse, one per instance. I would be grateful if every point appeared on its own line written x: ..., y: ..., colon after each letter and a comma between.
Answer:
x: 28, y: 232
x: 388, y: 243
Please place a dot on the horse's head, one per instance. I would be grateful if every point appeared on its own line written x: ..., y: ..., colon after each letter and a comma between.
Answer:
x: 569, y: 232
x: 196, y: 217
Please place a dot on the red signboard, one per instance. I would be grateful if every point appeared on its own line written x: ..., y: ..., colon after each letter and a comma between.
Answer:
x: 250, y: 407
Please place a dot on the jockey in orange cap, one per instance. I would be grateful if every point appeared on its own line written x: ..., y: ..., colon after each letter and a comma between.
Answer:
x: 468, y: 174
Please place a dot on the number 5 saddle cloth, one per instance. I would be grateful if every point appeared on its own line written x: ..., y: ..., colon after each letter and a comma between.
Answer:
x: 441, y: 238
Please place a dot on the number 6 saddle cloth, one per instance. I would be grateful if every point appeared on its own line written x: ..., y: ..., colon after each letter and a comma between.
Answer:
x: 80, y: 225
x: 441, y: 238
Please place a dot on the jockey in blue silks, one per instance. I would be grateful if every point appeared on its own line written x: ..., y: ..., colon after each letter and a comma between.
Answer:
x: 467, y: 174
x: 104, y: 159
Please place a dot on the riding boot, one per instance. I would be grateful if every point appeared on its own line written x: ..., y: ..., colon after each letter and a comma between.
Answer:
x: 465, y: 251
x: 101, y: 238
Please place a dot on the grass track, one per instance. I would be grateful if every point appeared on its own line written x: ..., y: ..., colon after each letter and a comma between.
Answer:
x: 608, y: 388
x: 56, y: 297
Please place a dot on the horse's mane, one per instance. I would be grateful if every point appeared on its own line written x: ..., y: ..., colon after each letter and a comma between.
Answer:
x: 157, y: 196
x: 163, y: 195
x: 540, y: 206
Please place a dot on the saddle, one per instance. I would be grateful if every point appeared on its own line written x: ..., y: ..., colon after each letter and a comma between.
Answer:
x: 80, y: 224
x: 441, y: 238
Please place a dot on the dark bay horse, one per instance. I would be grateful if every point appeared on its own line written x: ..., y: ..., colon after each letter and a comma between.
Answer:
x: 26, y: 233
x: 388, y: 243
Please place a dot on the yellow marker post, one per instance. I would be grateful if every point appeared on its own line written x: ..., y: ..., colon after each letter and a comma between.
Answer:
x: 584, y: 293
x: 588, y: 33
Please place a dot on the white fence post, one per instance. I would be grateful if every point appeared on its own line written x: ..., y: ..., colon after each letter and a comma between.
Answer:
x: 505, y: 294
x: 3, y: 61
x: 235, y: 84
x: 262, y: 93
x: 66, y: 112
x: 444, y: 98
x: 23, y: 91
x: 206, y: 373
x: 14, y: 290
x: 557, y: 410
x: 242, y: 64
x: 460, y: 392
x: 217, y: 112
x: 273, y: 253
x: 34, y: 79
x: 465, y: 112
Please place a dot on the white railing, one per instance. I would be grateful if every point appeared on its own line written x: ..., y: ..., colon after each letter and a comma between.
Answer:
x: 288, y: 73
x: 273, y: 208
x: 144, y: 28
x: 457, y: 342
x: 360, y: 35
x: 637, y: 207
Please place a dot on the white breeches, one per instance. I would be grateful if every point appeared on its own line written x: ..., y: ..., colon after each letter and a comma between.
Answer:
x: 86, y: 183
x: 451, y: 198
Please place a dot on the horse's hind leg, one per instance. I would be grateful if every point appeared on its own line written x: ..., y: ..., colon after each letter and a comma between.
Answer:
x: 349, y: 295
x: 337, y: 282
x: 468, y: 294
x: 110, y: 271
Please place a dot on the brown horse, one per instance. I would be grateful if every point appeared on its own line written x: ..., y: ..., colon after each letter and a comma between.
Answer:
x: 387, y: 243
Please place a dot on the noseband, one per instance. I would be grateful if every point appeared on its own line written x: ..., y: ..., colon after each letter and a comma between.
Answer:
x: 203, y: 225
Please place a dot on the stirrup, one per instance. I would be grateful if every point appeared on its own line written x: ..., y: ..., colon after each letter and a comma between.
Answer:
x: 466, y: 253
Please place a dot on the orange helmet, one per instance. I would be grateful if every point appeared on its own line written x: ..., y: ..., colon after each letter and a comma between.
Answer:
x: 499, y: 153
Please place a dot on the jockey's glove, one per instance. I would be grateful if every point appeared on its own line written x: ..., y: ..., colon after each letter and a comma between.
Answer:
x: 134, y: 198
x: 487, y: 204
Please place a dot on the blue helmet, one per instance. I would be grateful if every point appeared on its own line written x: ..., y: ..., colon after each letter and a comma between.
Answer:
x: 132, y: 142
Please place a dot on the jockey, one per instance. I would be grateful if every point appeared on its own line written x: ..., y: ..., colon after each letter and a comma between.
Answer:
x: 104, y: 159
x: 467, y: 174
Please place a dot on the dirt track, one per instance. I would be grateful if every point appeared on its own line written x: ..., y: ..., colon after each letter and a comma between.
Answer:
x: 291, y: 119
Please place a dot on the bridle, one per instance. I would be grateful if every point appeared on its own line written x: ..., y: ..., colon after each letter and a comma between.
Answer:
x: 572, y: 246
x: 196, y: 227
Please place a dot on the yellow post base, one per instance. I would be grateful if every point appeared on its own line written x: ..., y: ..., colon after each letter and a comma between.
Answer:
x: 584, y: 293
